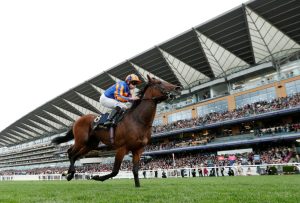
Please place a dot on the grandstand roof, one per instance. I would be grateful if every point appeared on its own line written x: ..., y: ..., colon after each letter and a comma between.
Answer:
x: 236, y: 40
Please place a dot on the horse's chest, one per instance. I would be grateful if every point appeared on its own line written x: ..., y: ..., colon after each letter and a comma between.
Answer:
x: 143, y: 139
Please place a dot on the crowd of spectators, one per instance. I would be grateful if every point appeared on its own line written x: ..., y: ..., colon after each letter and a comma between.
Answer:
x: 245, y: 111
x: 184, y: 142
x: 272, y: 155
x: 203, y: 140
x: 283, y: 128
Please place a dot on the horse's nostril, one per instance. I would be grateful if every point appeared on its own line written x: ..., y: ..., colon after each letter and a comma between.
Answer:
x: 178, y: 88
x: 172, y: 96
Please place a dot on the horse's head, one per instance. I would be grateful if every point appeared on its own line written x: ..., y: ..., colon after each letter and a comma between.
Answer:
x: 161, y: 90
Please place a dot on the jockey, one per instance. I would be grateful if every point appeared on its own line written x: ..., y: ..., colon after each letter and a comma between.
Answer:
x: 117, y: 95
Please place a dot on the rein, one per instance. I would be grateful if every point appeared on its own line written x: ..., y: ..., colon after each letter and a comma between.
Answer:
x: 160, y: 98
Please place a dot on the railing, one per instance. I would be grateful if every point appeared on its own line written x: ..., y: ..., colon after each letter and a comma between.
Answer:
x: 252, y: 136
x: 201, y: 171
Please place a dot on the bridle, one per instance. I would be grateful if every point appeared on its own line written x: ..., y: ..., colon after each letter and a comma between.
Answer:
x: 166, y: 94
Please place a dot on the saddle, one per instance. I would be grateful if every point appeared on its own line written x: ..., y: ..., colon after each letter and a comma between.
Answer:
x: 99, y: 121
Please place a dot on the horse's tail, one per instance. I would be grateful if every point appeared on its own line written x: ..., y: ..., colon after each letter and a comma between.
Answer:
x: 69, y: 136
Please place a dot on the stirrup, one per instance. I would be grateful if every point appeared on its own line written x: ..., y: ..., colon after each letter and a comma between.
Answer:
x: 108, y: 123
x: 95, y: 125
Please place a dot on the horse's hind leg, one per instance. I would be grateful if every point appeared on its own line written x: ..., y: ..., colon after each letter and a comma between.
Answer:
x: 136, y: 164
x: 71, y: 152
x: 118, y: 161
x: 74, y: 153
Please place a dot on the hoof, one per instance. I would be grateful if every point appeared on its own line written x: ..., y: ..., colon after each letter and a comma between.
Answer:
x: 97, y: 178
x: 70, y: 176
x: 65, y: 173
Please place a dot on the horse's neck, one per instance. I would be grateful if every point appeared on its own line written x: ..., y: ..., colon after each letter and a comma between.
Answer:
x: 145, y: 111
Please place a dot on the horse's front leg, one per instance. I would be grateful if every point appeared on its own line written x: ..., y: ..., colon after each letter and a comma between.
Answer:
x: 136, y: 164
x: 121, y: 152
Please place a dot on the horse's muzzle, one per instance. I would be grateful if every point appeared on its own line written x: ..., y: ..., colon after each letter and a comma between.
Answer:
x: 175, y: 92
x: 178, y: 88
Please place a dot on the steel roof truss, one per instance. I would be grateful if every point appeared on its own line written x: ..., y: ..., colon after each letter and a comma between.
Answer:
x: 62, y: 120
x: 144, y: 72
x: 68, y: 113
x: 19, y: 138
x: 32, y: 131
x: 83, y: 110
x: 45, y: 127
x: 6, y: 141
x: 36, y: 129
x: 53, y: 124
x: 22, y: 134
x: 95, y: 104
x: 9, y: 139
x: 58, y: 119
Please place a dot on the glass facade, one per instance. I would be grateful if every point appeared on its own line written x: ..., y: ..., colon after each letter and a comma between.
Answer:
x: 292, y: 87
x: 261, y: 95
x: 290, y: 70
x: 218, y: 106
x: 182, y: 115
x: 158, y: 121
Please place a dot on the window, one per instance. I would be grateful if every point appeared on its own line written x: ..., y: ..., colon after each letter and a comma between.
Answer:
x: 158, y: 121
x: 261, y: 95
x: 182, y: 115
x: 292, y: 87
x: 219, y: 106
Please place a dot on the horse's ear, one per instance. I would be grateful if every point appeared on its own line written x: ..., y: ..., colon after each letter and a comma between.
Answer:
x: 149, y: 78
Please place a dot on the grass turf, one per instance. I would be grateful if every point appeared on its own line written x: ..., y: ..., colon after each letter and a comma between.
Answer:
x: 210, y: 189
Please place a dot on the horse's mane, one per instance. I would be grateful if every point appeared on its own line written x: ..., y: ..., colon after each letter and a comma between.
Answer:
x: 140, y: 94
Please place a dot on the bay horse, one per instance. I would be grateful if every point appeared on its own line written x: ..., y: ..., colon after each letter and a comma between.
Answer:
x: 132, y: 133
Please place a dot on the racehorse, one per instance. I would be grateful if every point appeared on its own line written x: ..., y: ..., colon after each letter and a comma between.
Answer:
x: 132, y: 133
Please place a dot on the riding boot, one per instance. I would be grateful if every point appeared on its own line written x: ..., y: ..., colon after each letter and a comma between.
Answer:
x: 112, y: 115
x: 116, y: 118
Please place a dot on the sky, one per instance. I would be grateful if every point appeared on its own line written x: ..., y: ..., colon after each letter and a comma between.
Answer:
x: 49, y: 47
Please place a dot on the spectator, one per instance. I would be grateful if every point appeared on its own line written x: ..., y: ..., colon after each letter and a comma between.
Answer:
x: 194, y: 172
x: 164, y: 174
x: 230, y: 172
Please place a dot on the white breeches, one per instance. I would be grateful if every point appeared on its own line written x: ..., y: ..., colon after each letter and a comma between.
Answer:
x: 111, y: 103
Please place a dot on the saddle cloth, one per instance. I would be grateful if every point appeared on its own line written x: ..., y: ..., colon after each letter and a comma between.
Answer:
x: 101, y: 119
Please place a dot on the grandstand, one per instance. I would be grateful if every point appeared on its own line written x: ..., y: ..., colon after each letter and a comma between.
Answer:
x: 241, y: 77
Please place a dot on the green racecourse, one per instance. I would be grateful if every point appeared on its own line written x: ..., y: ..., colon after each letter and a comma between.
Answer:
x: 210, y: 189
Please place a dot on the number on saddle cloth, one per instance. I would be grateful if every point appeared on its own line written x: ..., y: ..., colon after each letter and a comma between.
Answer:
x: 101, y: 119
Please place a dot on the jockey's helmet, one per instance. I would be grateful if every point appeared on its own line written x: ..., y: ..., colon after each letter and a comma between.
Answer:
x: 133, y: 78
